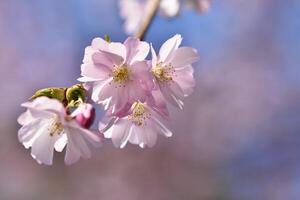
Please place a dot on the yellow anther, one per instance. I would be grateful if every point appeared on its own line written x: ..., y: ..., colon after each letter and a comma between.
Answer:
x: 56, y: 127
x: 139, y: 113
x: 163, y: 72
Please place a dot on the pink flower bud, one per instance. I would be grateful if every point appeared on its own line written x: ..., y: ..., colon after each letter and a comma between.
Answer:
x: 84, y: 115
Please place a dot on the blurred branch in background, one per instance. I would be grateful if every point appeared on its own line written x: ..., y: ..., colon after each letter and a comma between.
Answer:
x: 151, y: 10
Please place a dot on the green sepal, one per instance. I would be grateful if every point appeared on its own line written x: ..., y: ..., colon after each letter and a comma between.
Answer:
x: 75, y: 95
x: 53, y: 93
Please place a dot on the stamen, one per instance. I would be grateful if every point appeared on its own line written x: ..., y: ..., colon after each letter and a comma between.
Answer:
x: 56, y: 127
x: 120, y: 74
x: 139, y: 114
x: 163, y: 72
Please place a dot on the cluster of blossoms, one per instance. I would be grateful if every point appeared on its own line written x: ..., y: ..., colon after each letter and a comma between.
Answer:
x: 167, y: 8
x: 133, y: 91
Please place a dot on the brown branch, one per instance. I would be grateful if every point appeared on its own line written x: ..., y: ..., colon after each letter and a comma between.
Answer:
x: 151, y: 9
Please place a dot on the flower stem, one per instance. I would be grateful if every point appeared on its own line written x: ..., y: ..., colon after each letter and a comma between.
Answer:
x: 151, y: 9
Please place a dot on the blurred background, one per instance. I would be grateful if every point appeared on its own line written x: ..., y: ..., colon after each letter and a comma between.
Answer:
x: 238, y: 137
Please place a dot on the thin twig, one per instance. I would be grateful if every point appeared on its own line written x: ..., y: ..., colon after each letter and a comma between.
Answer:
x: 151, y: 9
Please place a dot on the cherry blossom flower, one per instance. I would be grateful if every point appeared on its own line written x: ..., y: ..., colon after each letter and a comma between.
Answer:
x: 169, y: 8
x: 46, y: 126
x: 141, y: 127
x: 132, y: 19
x: 202, y: 6
x: 173, y: 71
x: 117, y: 72
x: 133, y: 11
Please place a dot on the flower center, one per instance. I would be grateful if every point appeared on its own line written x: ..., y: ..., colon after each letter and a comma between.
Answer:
x: 139, y: 113
x: 120, y: 74
x: 56, y: 127
x: 163, y: 72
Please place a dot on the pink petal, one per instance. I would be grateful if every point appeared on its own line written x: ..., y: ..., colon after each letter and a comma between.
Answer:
x: 141, y: 74
x: 119, y: 100
x: 170, y: 95
x: 169, y: 46
x: 135, y: 92
x: 184, y: 78
x: 176, y: 89
x: 183, y: 56
x: 107, y: 59
x: 121, y: 113
x: 158, y: 103
x: 93, y: 72
x: 136, y: 50
x: 102, y: 90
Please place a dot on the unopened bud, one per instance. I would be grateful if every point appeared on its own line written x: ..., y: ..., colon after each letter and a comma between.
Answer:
x: 107, y: 38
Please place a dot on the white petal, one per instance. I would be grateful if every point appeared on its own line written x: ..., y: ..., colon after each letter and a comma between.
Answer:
x: 78, y: 139
x: 138, y: 132
x: 105, y: 124
x: 25, y: 118
x: 43, y: 146
x: 161, y: 127
x: 45, y: 103
x: 72, y: 153
x: 151, y: 136
x: 99, y: 44
x: 88, y: 135
x: 97, y: 94
x: 28, y: 133
x: 118, y: 49
x: 61, y: 143
x: 134, y: 139
x: 118, y: 132
x: 79, y: 143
